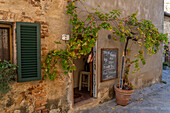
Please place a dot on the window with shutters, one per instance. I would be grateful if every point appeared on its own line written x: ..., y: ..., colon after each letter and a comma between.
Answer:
x: 28, y: 51
x: 5, y: 42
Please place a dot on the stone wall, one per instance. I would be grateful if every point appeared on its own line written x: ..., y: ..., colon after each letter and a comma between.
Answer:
x: 167, y: 6
x: 167, y: 26
x: 151, y: 73
x: 40, y: 96
x: 167, y: 30
x: 44, y: 95
x: 152, y: 10
x: 56, y: 96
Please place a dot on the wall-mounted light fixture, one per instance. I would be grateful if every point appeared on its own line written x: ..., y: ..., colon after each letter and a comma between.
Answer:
x: 109, y: 36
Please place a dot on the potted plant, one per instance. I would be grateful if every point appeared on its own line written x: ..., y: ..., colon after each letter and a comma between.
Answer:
x: 124, y: 92
x: 146, y: 41
x: 165, y: 65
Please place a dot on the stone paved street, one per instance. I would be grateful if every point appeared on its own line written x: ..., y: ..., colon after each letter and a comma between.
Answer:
x: 153, y: 99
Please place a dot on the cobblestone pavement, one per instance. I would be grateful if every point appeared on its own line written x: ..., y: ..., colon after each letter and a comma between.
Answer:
x: 153, y: 99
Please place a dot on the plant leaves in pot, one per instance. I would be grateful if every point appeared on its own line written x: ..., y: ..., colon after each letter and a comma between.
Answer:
x: 125, y: 90
x: 165, y: 65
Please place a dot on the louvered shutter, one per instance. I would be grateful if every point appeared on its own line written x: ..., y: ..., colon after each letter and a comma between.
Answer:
x: 28, y: 51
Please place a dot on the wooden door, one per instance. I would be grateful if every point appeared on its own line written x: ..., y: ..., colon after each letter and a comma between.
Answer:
x: 91, y: 79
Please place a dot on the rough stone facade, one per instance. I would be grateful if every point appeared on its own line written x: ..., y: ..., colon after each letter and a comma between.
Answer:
x: 146, y: 9
x: 167, y: 30
x: 41, y: 95
x: 56, y: 96
x: 167, y: 26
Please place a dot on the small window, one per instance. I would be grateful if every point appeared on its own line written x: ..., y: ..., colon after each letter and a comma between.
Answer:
x: 5, y: 42
x: 28, y: 51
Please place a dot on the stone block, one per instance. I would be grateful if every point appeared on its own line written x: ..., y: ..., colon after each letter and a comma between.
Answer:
x: 39, y: 111
x: 45, y: 111
x: 44, y: 48
x: 40, y: 95
x: 31, y: 109
x: 55, y: 111
x: 17, y: 111
x: 2, y: 2
x: 19, y: 100
x: 40, y: 108
x: 5, y: 16
x: 41, y: 101
x: 42, y: 36
x: 23, y: 103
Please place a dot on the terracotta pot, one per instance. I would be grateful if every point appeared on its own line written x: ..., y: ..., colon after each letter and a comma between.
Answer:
x: 122, y: 96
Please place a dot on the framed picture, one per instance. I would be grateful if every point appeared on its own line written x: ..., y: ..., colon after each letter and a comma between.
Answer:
x: 109, y: 64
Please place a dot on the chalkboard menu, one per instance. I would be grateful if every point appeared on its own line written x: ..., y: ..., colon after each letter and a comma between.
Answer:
x: 109, y: 64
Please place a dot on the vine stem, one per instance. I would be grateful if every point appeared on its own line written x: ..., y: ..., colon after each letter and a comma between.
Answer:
x: 123, y: 62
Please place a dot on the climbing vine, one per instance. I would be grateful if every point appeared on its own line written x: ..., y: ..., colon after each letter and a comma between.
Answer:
x: 85, y: 33
x: 7, y: 76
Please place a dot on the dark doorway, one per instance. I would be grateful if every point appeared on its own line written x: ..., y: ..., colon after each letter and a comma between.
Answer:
x: 83, y: 77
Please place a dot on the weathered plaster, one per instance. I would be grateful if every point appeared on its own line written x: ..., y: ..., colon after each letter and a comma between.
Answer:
x: 51, y: 14
x: 167, y: 26
x: 167, y: 30
x: 54, y: 22
x: 150, y: 73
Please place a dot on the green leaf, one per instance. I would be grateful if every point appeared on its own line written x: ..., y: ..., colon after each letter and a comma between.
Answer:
x: 58, y: 42
x: 65, y: 72
x: 133, y: 72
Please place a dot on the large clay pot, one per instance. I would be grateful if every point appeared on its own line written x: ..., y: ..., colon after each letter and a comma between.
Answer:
x: 122, y: 96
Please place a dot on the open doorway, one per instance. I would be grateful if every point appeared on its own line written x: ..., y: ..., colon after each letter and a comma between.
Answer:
x: 83, y: 78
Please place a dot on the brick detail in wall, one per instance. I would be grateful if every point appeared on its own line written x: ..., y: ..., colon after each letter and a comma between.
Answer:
x: 44, y: 28
x: 2, y: 2
x: 40, y: 99
x: 41, y: 4
x: 32, y: 96
x: 6, y: 14
x: 44, y: 51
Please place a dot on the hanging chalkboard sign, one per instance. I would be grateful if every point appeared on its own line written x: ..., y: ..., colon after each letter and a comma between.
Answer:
x: 109, y: 64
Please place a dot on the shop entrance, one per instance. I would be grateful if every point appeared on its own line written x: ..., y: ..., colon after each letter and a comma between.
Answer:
x: 83, y: 78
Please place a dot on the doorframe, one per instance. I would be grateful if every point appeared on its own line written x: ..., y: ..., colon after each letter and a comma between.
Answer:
x: 10, y: 39
x: 72, y: 77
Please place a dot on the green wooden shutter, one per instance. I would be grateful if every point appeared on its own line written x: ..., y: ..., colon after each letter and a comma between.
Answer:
x: 28, y: 51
